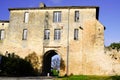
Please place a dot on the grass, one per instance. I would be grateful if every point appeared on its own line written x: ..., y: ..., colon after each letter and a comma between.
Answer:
x: 84, y: 77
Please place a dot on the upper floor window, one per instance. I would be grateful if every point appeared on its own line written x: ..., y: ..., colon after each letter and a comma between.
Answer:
x: 2, y: 34
x: 26, y: 17
x: 57, y: 16
x: 24, y: 36
x: 76, y: 16
x: 57, y: 34
x: 46, y: 34
x: 76, y: 34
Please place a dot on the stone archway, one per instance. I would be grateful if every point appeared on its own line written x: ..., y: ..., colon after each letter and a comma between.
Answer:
x: 47, y: 58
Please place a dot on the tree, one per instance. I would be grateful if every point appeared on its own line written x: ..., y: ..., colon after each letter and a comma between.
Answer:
x: 34, y: 60
x: 13, y: 65
x: 55, y: 64
x: 114, y: 46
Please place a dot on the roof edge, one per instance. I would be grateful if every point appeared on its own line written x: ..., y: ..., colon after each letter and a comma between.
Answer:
x: 4, y: 20
x: 55, y: 7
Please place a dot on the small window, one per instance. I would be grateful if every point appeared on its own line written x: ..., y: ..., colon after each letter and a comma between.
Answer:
x: 2, y: 34
x: 57, y: 16
x: 76, y: 34
x: 76, y: 16
x: 24, y: 34
x: 46, y: 34
x: 57, y: 34
x: 26, y: 17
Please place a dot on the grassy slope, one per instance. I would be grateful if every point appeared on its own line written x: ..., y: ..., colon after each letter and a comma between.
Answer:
x: 83, y: 77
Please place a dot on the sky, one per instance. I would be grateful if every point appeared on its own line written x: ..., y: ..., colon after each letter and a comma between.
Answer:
x: 109, y: 14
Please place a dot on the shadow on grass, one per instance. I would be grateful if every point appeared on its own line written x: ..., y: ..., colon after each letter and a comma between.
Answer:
x: 115, y: 77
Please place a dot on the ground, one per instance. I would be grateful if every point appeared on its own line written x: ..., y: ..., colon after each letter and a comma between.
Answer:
x: 78, y: 77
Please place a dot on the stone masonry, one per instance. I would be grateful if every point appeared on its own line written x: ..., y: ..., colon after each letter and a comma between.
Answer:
x: 80, y: 39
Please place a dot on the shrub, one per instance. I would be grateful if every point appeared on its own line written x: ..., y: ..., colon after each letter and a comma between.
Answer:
x: 34, y: 60
x: 115, y: 77
x: 114, y: 46
x: 55, y: 72
x: 13, y: 65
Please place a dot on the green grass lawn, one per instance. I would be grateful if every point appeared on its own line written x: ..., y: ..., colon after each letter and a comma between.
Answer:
x: 84, y: 77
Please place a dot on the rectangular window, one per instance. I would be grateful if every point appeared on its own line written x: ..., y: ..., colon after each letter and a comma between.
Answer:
x: 57, y: 34
x: 26, y: 17
x: 57, y: 16
x: 46, y: 34
x: 76, y: 16
x: 2, y: 34
x: 76, y: 34
x: 24, y: 34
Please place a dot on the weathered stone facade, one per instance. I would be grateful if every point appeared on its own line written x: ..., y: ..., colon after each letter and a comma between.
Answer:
x: 84, y: 55
x: 114, y: 56
x: 3, y: 29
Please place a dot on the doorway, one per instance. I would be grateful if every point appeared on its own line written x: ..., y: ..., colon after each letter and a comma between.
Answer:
x: 51, y: 60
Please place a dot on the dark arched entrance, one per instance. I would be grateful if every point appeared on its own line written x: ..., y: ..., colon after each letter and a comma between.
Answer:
x: 47, y: 58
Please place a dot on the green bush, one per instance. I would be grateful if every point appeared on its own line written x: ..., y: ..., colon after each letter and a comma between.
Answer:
x: 115, y: 77
x: 13, y: 65
x: 114, y: 46
x: 55, y: 72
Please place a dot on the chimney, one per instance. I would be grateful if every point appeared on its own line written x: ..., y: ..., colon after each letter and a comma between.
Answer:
x: 42, y: 5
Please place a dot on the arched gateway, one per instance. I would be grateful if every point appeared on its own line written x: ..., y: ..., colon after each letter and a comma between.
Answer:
x: 47, y: 59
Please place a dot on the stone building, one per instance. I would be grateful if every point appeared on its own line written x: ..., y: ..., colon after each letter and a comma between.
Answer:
x: 73, y: 32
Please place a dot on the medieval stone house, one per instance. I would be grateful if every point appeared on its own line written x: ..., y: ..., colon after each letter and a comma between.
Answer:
x: 73, y: 32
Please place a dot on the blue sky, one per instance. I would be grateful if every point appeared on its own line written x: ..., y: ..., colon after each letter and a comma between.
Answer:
x: 109, y: 14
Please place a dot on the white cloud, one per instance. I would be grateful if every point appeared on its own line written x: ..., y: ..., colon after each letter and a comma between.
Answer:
x: 56, y: 1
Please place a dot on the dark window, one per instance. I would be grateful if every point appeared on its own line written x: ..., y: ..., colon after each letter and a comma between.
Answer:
x: 57, y: 34
x: 46, y: 34
x: 2, y: 34
x: 24, y: 34
x: 57, y: 16
x: 76, y: 34
x: 76, y: 16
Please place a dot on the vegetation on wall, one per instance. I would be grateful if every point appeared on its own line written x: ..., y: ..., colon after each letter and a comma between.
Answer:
x: 114, y: 45
x: 113, y: 50
x: 62, y: 64
x: 34, y: 60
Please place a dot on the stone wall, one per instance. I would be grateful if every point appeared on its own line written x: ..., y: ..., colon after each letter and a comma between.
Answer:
x: 3, y: 26
x: 82, y: 56
x: 72, y: 51
x: 114, y: 56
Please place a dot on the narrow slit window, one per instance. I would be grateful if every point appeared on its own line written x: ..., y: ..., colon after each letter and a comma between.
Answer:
x: 2, y: 34
x: 76, y: 16
x: 26, y: 17
x: 76, y: 34
x: 24, y: 34
x: 46, y: 34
